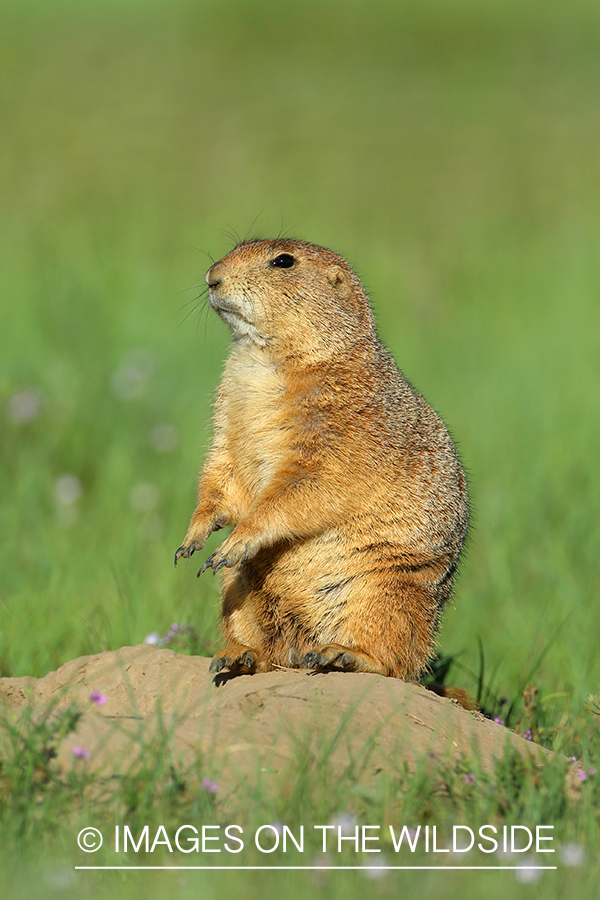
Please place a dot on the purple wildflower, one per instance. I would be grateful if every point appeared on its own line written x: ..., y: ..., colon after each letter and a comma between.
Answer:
x: 469, y: 778
x: 528, y: 735
x: 82, y: 753
x: 210, y: 786
x: 499, y: 721
x: 98, y: 698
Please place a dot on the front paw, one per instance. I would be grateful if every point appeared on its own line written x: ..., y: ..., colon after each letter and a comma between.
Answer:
x: 230, y: 553
x: 187, y: 549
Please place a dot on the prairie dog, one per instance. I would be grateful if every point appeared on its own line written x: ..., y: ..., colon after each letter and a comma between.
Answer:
x: 348, y: 501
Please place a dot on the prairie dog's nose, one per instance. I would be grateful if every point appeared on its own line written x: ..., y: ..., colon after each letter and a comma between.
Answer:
x: 213, y: 276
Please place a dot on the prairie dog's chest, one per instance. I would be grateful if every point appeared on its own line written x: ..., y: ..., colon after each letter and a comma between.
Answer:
x: 254, y: 410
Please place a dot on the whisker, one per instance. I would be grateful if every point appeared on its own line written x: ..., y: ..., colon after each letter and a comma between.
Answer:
x: 232, y: 234
x: 206, y: 309
x: 254, y: 221
x: 203, y: 252
x: 198, y: 306
x: 188, y: 303
x: 287, y: 232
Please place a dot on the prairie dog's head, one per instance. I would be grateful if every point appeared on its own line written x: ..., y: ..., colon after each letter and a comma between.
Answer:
x: 289, y: 296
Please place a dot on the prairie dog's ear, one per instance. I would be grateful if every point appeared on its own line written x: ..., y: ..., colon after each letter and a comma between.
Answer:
x: 337, y: 277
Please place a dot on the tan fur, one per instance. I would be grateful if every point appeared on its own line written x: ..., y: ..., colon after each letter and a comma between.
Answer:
x: 348, y: 501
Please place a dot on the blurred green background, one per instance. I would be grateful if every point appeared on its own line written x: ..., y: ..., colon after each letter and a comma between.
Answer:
x: 450, y: 150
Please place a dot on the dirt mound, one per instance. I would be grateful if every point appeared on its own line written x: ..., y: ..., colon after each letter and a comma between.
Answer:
x: 244, y: 725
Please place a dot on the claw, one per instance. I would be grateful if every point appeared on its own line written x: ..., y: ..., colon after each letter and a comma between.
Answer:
x: 218, y: 664
x: 184, y: 552
x: 244, y: 663
x: 247, y: 659
x: 207, y: 564
x: 310, y: 661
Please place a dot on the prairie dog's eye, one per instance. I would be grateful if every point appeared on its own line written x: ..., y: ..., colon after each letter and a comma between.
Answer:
x: 283, y: 261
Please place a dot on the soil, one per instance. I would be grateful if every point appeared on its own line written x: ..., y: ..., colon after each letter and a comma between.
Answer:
x: 247, y: 727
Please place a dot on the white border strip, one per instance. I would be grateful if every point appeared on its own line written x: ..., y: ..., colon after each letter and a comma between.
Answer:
x: 316, y: 868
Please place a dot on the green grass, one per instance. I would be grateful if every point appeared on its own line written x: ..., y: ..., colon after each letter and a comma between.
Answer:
x: 450, y: 151
x: 43, y: 808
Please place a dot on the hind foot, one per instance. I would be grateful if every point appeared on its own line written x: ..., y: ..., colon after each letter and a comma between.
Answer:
x: 239, y: 659
x: 335, y: 657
